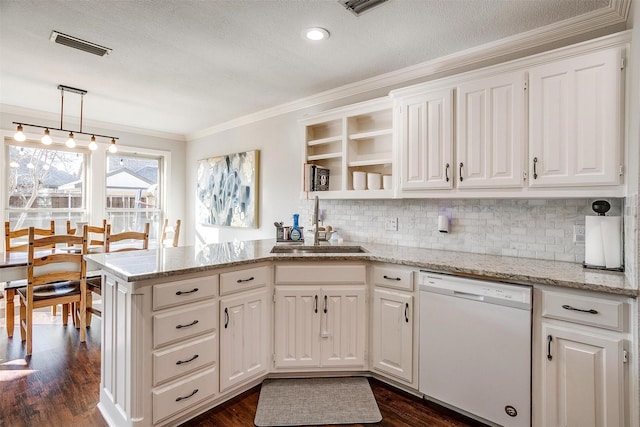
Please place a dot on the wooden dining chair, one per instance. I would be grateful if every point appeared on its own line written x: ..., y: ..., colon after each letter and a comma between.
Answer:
x: 18, y: 241
x: 127, y: 240
x: 170, y: 232
x: 96, y: 233
x: 96, y: 238
x: 53, y: 278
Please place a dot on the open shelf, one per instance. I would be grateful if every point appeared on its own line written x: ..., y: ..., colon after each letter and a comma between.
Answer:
x: 357, y: 137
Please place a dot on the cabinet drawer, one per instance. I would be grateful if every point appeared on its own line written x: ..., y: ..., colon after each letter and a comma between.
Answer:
x: 393, y: 277
x: 179, y: 396
x: 320, y: 274
x: 184, y: 291
x: 184, y: 359
x: 587, y: 310
x: 241, y: 280
x: 184, y: 323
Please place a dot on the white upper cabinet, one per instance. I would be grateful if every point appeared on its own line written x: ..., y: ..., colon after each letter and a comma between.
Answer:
x: 575, y: 121
x: 547, y: 125
x: 425, y: 132
x: 490, y: 131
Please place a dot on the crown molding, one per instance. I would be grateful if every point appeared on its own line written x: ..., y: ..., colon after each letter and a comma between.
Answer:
x: 614, y: 14
x: 54, y: 118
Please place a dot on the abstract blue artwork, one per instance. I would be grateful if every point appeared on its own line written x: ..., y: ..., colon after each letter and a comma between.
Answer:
x: 227, y: 190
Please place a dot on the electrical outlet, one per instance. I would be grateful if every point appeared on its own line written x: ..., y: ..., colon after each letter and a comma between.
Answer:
x: 578, y: 234
x: 391, y: 224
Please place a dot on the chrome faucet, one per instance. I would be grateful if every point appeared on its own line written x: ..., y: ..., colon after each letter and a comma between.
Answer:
x: 316, y: 220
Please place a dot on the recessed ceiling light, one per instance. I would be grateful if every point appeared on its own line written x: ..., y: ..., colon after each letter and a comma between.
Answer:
x: 316, y: 34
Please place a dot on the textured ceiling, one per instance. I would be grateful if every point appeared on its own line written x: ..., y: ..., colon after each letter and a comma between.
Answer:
x: 182, y: 66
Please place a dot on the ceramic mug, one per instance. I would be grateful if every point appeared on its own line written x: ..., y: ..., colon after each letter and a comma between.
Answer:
x: 359, y: 180
x: 374, y: 181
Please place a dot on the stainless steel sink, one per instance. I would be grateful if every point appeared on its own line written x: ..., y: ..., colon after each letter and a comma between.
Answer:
x: 320, y: 249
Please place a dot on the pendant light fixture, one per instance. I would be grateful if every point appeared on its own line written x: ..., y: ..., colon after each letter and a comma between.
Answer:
x: 71, y: 142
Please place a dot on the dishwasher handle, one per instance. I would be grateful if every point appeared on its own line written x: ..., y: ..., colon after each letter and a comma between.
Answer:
x: 468, y: 295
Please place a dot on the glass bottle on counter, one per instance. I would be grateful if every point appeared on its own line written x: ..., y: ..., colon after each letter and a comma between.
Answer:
x: 296, y: 233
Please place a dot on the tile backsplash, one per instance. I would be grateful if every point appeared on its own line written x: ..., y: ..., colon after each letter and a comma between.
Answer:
x: 532, y: 228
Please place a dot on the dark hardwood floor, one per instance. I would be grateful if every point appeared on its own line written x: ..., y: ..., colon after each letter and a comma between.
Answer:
x: 58, y: 386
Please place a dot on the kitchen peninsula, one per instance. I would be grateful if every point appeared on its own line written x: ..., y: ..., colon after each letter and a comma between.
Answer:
x: 186, y: 328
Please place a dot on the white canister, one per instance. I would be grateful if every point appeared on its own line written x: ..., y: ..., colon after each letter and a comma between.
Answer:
x: 374, y: 181
x: 387, y: 183
x: 359, y: 180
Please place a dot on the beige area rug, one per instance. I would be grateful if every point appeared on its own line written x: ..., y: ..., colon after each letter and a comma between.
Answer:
x: 315, y: 401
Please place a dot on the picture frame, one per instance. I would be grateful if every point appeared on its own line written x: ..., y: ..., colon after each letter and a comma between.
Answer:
x: 227, y: 190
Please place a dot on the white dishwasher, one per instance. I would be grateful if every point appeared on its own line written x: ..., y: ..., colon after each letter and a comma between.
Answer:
x: 475, y: 347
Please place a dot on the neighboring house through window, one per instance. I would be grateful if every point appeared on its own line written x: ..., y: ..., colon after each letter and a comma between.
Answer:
x: 134, y: 193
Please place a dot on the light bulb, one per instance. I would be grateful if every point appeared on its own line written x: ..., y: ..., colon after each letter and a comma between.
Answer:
x: 316, y: 34
x: 46, y: 138
x: 14, y: 164
x: 70, y: 142
x: 30, y: 165
x: 112, y: 146
x: 92, y: 145
x: 46, y: 166
x: 19, y: 136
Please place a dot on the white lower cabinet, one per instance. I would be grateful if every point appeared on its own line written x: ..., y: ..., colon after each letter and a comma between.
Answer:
x: 581, y: 361
x: 244, y: 337
x: 394, y: 324
x: 320, y: 322
x: 392, y: 342
x: 317, y: 327
x: 582, y: 378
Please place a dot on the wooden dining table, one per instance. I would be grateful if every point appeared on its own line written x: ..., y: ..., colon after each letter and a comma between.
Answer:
x: 13, y: 266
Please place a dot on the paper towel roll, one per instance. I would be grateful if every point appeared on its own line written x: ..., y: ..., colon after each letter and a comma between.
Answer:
x: 603, y: 241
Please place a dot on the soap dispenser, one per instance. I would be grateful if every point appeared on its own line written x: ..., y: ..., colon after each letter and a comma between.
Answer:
x: 296, y: 233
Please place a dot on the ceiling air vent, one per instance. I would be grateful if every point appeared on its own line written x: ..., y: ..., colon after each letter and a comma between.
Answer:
x: 79, y: 44
x: 358, y: 7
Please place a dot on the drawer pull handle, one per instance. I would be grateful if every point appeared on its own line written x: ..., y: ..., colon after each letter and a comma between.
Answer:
x: 178, y: 399
x: 581, y: 310
x: 391, y: 278
x: 446, y: 172
x: 187, y: 292
x: 226, y: 318
x: 461, y: 165
x: 186, y: 326
x: 245, y: 280
x: 549, y: 341
x: 316, y: 303
x: 535, y: 163
x: 406, y: 314
x: 325, y: 305
x: 182, y: 362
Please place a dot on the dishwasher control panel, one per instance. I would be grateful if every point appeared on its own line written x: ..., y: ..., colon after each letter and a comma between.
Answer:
x: 518, y: 296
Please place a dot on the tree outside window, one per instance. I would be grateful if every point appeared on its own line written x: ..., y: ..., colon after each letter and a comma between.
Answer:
x: 45, y: 183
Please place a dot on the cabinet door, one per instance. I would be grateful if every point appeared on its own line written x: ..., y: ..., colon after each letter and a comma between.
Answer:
x: 244, y: 337
x: 582, y: 379
x: 490, y: 132
x: 343, y: 326
x: 426, y: 141
x: 393, y: 333
x: 574, y: 130
x: 297, y: 326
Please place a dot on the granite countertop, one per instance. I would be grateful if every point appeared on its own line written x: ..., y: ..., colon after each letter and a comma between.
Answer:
x: 136, y: 266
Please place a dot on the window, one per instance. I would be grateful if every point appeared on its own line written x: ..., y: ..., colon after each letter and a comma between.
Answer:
x: 133, y: 193
x: 45, y: 183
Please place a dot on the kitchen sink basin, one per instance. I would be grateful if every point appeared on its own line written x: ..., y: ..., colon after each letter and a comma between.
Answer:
x: 321, y: 249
